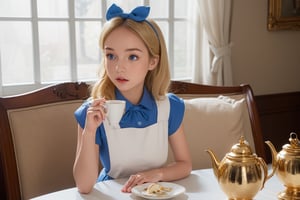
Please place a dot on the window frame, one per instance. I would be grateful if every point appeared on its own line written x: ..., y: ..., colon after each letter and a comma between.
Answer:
x: 8, y: 90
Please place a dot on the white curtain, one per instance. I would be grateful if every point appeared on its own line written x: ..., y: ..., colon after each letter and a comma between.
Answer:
x: 211, y: 57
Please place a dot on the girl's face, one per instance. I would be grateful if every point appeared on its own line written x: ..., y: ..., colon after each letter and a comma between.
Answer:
x: 127, y: 62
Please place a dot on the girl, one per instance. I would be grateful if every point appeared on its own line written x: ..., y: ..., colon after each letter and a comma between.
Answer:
x: 135, y: 69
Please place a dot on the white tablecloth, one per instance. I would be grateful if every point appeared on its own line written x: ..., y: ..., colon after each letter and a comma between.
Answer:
x: 201, y: 184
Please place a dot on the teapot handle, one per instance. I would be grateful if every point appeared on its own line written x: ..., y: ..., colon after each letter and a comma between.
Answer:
x: 265, y: 167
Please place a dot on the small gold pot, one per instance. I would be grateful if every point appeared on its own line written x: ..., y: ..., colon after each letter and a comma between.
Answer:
x: 241, y: 174
x: 286, y: 163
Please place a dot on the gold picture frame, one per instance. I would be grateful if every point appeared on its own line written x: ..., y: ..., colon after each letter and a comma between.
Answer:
x: 283, y: 15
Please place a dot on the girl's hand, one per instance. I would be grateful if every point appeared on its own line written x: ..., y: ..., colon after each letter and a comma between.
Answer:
x: 152, y: 176
x: 95, y: 114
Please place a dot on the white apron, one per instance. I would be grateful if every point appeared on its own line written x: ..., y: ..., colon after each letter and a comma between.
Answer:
x: 132, y: 150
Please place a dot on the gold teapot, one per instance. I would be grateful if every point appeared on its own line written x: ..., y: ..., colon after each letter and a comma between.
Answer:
x: 241, y: 174
x: 287, y: 166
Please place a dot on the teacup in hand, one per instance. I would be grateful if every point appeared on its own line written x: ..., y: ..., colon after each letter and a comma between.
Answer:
x: 114, y: 111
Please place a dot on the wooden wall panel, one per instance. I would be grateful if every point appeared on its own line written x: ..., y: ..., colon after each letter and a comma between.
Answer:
x: 2, y: 187
x: 279, y: 115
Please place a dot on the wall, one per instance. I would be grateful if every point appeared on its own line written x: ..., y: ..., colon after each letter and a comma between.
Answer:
x: 279, y: 116
x: 268, y: 61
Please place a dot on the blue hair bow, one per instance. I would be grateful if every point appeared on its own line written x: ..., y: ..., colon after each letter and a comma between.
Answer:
x: 138, y: 14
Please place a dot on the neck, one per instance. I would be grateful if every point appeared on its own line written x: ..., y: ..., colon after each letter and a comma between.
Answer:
x: 134, y: 96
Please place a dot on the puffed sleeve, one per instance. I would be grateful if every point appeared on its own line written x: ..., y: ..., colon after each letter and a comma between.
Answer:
x: 80, y: 114
x: 176, y: 112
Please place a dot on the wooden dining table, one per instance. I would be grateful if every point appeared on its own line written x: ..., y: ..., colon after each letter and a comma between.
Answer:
x: 200, y: 184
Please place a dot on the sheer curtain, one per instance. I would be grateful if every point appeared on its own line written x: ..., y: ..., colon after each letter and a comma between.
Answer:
x: 211, y: 50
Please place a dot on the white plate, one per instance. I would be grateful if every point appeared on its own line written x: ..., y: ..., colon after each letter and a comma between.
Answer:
x: 139, y: 190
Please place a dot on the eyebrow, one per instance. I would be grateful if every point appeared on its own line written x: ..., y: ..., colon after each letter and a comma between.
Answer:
x: 130, y: 49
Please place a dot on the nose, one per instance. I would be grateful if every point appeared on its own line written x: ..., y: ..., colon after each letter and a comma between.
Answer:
x: 119, y: 67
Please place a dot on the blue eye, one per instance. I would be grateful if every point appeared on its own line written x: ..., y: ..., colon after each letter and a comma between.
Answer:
x: 110, y: 56
x: 133, y: 57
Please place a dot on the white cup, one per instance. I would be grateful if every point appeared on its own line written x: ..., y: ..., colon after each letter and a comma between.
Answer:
x: 114, y: 111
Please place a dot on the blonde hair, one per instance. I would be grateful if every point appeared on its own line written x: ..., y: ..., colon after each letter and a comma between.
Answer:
x: 157, y: 80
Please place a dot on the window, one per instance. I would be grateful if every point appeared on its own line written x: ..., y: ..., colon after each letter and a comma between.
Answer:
x: 49, y: 41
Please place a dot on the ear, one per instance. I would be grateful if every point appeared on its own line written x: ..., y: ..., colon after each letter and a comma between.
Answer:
x: 153, y: 62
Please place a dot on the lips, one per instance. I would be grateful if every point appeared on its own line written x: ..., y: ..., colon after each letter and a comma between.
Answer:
x: 121, y: 80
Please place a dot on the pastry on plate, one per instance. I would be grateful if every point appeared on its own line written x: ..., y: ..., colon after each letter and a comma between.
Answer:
x: 157, y: 189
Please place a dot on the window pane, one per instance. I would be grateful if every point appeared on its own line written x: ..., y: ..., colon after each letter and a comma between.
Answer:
x: 54, y: 51
x: 165, y: 30
x: 159, y: 9
x: 88, y: 54
x: 180, y: 51
x: 52, y: 8
x: 89, y: 9
x: 180, y: 9
x: 16, y: 54
x: 15, y: 8
x: 53, y: 59
x: 127, y: 6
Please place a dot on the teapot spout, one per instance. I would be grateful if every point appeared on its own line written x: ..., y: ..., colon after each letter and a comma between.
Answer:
x: 215, y: 162
x: 274, y: 157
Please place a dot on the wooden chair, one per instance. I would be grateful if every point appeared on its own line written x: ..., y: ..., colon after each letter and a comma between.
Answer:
x: 38, y: 137
x: 216, y: 117
x: 38, y: 133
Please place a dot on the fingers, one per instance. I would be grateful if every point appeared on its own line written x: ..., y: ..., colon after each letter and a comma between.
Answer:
x: 95, y: 113
x: 96, y: 102
x: 98, y: 105
x: 133, y: 180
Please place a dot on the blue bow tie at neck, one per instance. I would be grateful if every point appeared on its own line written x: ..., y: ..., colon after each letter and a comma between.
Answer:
x: 138, y: 14
x: 135, y: 115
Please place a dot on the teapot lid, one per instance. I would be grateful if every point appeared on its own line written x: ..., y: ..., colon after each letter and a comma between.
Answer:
x: 294, y: 145
x: 241, y: 149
